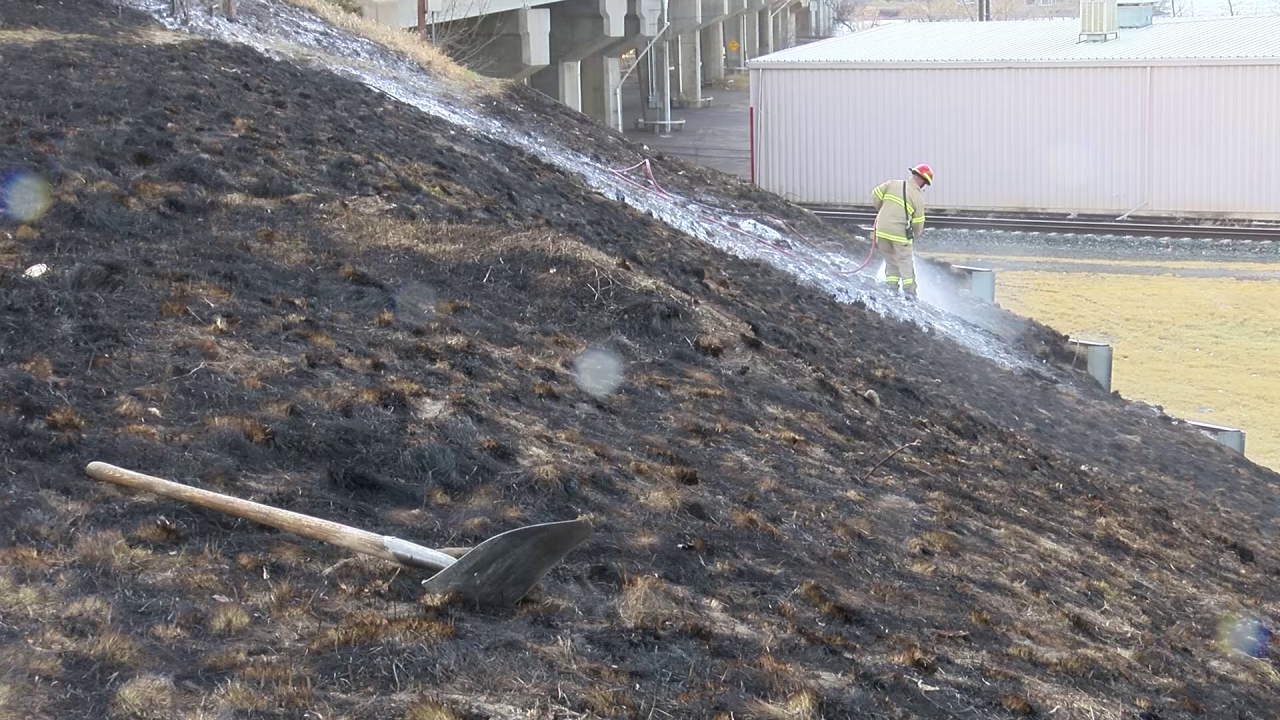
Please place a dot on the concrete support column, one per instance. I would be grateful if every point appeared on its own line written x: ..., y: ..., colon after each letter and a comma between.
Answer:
x: 649, y: 91
x: 821, y: 18
x: 766, y: 31
x: 714, y: 15
x: 713, y: 52
x: 787, y: 27
x: 563, y: 82
x: 687, y: 16
x: 664, y: 95
x: 733, y: 43
x: 599, y: 77
x: 689, y: 54
x: 804, y: 23
x: 580, y: 29
x: 751, y: 36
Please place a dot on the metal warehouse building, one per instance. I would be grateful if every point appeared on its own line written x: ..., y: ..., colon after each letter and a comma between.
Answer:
x: 1110, y: 113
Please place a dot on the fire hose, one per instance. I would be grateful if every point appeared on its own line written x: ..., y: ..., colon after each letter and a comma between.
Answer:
x: 871, y: 251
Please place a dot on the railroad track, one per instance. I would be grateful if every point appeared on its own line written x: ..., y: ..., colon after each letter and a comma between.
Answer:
x: 1090, y: 226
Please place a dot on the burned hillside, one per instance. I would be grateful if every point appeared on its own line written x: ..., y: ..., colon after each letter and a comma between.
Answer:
x: 277, y: 283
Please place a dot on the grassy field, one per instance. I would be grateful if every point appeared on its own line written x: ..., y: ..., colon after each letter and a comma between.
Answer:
x: 1203, y: 348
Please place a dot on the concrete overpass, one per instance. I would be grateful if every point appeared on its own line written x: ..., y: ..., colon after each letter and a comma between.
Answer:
x: 576, y: 50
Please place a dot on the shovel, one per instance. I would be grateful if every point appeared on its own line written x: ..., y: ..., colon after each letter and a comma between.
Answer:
x: 497, y: 572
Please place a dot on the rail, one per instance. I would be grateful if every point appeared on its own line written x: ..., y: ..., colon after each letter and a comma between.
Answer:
x: 1072, y: 226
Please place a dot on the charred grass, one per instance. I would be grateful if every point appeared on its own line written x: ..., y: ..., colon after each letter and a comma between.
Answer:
x: 380, y: 328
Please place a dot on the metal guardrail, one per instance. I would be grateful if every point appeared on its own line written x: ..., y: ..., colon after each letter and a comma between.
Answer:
x: 1072, y: 226
x: 1229, y: 436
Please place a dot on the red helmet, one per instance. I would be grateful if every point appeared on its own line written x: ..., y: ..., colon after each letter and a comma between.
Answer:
x: 925, y: 172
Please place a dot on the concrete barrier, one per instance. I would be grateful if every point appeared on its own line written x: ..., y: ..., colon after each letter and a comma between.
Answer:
x: 1229, y: 436
x: 1097, y: 359
x: 982, y: 281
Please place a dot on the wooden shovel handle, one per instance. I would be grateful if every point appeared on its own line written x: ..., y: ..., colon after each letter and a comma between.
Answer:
x: 334, y: 533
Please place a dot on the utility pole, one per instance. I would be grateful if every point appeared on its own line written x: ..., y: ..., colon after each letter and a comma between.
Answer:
x: 229, y: 9
x: 422, y: 19
x: 984, y: 10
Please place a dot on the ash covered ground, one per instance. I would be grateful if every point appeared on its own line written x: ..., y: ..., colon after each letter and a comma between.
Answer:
x: 275, y: 282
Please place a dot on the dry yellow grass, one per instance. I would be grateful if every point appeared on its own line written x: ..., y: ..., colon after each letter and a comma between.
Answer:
x: 147, y: 697
x: 431, y: 709
x: 1203, y: 348
x: 425, y: 54
x: 28, y: 36
x: 1154, y: 264
x: 228, y: 619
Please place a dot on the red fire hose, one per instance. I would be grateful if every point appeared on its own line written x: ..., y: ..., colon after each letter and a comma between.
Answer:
x: 871, y: 251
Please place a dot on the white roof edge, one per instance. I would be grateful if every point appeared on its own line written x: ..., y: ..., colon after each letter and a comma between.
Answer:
x: 1049, y: 41
x: 996, y: 64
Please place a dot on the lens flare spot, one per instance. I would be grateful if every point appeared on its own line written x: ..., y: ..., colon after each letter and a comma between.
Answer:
x: 1243, y: 635
x: 415, y: 303
x: 598, y: 372
x: 24, y: 196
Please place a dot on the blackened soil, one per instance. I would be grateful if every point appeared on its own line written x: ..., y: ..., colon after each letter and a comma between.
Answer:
x: 278, y: 284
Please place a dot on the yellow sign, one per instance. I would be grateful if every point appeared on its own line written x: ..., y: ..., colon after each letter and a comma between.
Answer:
x: 733, y: 46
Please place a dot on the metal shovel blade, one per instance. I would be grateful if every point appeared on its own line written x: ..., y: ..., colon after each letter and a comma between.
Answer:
x: 504, y: 568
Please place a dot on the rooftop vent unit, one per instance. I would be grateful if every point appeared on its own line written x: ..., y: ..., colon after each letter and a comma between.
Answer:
x: 1098, y: 20
x: 1135, y: 13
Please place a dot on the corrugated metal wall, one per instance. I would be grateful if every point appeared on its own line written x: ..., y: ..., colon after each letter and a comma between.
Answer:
x: 1216, y: 139
x: 1167, y: 139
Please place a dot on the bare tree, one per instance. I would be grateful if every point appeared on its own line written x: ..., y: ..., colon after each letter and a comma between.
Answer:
x: 853, y: 15
x: 934, y: 10
x: 842, y: 11
x: 465, y: 30
x: 1007, y: 9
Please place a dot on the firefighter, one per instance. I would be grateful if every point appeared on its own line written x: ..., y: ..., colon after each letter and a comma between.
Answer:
x: 899, y: 219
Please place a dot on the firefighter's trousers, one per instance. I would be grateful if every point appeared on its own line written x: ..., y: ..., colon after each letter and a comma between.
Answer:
x: 898, y: 265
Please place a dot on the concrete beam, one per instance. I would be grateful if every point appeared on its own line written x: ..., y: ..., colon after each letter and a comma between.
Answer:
x: 714, y: 11
x: 711, y: 12
x: 648, y: 14
x: 580, y: 29
x: 518, y: 43
x: 685, y: 16
x: 644, y: 21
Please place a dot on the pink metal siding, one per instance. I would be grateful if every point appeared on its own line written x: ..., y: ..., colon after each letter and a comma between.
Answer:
x: 1216, y: 139
x: 1162, y: 140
